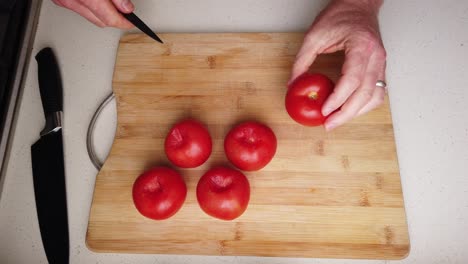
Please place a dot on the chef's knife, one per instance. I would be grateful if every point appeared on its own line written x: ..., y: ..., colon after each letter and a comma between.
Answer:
x: 48, y: 163
x: 141, y: 25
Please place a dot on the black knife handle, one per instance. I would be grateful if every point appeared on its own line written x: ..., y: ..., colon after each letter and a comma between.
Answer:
x: 50, y: 82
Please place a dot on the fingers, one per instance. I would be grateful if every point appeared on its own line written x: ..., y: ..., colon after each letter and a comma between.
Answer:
x: 354, y: 70
x: 101, y: 12
x: 57, y: 2
x: 107, y: 13
x: 364, y: 95
x: 377, y: 98
x: 304, y: 58
x: 80, y: 9
x: 125, y: 6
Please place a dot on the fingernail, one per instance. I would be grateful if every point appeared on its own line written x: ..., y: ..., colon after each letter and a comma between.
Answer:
x: 330, y: 126
x: 127, y: 5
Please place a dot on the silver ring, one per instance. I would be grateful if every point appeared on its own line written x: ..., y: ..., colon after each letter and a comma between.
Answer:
x: 381, y: 83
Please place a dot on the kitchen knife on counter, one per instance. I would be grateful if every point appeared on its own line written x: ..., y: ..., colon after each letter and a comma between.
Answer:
x: 48, y: 163
x: 141, y: 26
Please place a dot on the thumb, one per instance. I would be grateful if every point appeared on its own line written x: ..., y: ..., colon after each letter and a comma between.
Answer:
x: 305, y: 57
x: 125, y: 6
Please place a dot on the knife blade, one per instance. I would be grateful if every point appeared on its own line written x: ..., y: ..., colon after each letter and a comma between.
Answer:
x: 48, y: 163
x: 141, y: 26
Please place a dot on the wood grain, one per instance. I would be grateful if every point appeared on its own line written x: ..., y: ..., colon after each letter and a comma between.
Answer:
x: 324, y: 195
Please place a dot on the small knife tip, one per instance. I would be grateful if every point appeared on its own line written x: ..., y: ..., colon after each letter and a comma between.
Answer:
x: 155, y: 37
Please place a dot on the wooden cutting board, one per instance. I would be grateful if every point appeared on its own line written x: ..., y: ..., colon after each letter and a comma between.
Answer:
x: 324, y: 195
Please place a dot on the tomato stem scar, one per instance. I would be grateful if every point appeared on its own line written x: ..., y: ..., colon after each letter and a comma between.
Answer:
x: 313, y: 95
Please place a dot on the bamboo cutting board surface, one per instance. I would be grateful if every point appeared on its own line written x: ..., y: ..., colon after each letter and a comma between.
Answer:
x: 324, y: 195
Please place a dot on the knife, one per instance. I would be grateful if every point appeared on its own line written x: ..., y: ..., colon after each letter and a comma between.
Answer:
x: 141, y: 25
x: 48, y: 163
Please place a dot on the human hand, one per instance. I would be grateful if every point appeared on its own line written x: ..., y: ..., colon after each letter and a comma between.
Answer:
x: 352, y: 26
x: 102, y: 13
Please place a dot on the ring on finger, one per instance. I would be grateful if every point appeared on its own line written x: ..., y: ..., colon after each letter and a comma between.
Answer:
x: 381, y: 83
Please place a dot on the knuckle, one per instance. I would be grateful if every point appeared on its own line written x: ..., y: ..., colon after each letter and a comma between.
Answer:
x: 58, y: 3
x: 380, y: 99
x: 366, y: 95
x: 312, y: 41
x: 381, y: 53
x: 370, y: 40
x: 353, y: 82
x: 366, y: 36
x: 310, y: 36
x: 86, y: 3
x: 64, y: 3
x: 111, y: 21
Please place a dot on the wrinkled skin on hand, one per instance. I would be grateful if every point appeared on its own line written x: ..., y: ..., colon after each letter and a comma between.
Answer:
x: 102, y: 13
x: 352, y: 26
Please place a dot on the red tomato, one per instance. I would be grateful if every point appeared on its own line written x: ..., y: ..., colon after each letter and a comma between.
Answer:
x: 250, y: 146
x: 188, y: 144
x: 159, y: 193
x: 306, y: 96
x: 223, y: 193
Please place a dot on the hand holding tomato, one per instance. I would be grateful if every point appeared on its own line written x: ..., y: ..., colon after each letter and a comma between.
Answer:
x: 351, y: 26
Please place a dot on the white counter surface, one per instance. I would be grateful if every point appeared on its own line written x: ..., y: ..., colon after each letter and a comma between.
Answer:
x: 427, y: 45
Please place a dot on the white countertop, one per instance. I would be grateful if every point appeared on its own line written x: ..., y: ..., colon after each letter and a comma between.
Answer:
x: 427, y: 45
